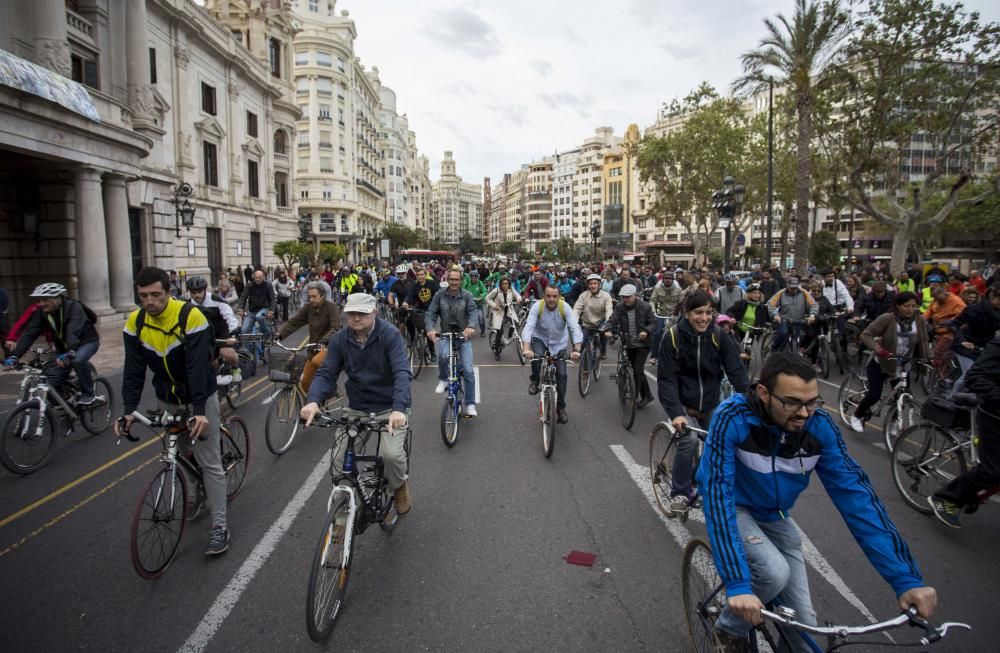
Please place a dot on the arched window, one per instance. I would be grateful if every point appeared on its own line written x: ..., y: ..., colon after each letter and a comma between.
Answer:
x: 280, y: 141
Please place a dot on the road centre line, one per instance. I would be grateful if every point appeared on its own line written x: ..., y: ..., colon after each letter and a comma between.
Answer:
x: 229, y: 596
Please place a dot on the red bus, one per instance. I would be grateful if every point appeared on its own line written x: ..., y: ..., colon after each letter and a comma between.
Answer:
x: 426, y: 255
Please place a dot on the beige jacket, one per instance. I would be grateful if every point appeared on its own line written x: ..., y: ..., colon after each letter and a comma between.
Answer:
x: 592, y: 309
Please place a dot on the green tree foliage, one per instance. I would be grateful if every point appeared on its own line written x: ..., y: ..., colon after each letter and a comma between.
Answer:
x: 823, y: 249
x: 331, y: 252
x: 469, y: 245
x: 291, y: 253
x: 401, y: 237
x: 509, y: 247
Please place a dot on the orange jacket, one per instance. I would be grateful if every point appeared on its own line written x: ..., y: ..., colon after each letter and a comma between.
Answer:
x: 942, y: 312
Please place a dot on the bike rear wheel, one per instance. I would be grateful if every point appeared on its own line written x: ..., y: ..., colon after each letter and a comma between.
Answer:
x: 235, y: 454
x: 549, y: 418
x: 28, y: 437
x: 282, y: 422
x: 852, y: 391
x: 158, y: 523
x: 97, y: 417
x: 417, y: 354
x: 584, y: 373
x: 662, y: 451
x: 234, y: 393
x: 699, y: 579
x: 925, y: 459
x: 626, y: 396
x: 520, y: 349
x: 330, y: 571
x: 823, y: 357
x: 892, y: 425
x: 449, y: 421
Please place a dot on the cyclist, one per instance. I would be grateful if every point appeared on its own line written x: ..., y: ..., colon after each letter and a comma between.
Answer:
x: 257, y: 300
x: 478, y: 291
x: 347, y: 282
x: 751, y: 312
x: 385, y: 284
x: 593, y: 308
x: 624, y: 278
x: 373, y: 356
x: 760, y: 452
x: 70, y: 325
x: 456, y: 310
x: 983, y: 379
x: 419, y: 297
x: 399, y: 290
x: 665, y: 299
x: 729, y: 294
x: 283, y: 289
x: 578, y: 288
x: 535, y: 289
x: 323, y: 318
x: 635, y: 321
x: 499, y: 301
x: 944, y: 308
x: 217, y: 312
x: 551, y: 327
x: 974, y: 328
x: 692, y: 359
x: 790, y: 303
x: 179, y: 355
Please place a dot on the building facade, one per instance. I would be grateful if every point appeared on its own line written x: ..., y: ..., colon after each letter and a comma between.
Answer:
x: 537, y: 224
x: 457, y: 207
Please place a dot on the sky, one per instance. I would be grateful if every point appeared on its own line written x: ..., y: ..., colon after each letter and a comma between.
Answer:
x: 504, y: 83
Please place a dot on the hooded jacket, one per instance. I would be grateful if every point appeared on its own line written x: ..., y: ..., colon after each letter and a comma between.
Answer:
x: 67, y: 327
x: 884, y: 329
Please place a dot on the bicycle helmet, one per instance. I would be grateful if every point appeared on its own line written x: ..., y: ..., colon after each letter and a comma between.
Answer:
x: 593, y: 277
x: 197, y: 283
x: 723, y: 319
x: 731, y: 276
x: 49, y: 290
x: 752, y: 287
x: 402, y: 269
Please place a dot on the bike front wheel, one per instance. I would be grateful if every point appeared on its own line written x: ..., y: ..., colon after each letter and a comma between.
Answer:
x: 234, y: 393
x: 330, y: 571
x: 97, y: 417
x: 823, y: 357
x: 449, y: 421
x: 896, y: 422
x: 520, y: 349
x: 662, y: 452
x: 282, y: 422
x: 549, y: 418
x: 158, y: 523
x: 852, y: 391
x: 235, y: 454
x: 699, y: 579
x: 925, y: 459
x: 584, y: 374
x: 417, y: 355
x: 29, y: 434
x: 626, y: 396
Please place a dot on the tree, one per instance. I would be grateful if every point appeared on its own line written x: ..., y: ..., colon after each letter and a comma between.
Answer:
x: 801, y: 52
x: 292, y: 252
x: 509, y: 247
x: 400, y: 236
x: 470, y: 245
x: 824, y: 250
x: 917, y: 115
x: 331, y: 252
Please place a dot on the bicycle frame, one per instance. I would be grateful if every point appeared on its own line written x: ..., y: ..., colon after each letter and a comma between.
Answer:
x: 456, y: 386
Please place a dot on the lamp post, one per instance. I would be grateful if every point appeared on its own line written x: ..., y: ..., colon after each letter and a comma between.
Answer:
x: 183, y: 211
x: 727, y: 201
x: 595, y: 233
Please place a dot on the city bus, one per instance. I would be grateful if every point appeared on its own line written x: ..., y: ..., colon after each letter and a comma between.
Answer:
x: 426, y: 255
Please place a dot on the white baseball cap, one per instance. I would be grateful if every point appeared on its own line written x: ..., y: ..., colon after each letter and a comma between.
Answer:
x: 360, y: 303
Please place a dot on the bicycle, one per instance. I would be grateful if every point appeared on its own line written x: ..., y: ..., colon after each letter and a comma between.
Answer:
x: 454, y: 394
x: 704, y: 598
x: 509, y: 332
x: 752, y: 337
x: 162, y: 509
x: 548, y: 393
x: 590, y: 360
x: 360, y: 497
x: 229, y: 388
x: 663, y: 442
x: 285, y: 370
x: 624, y: 378
x: 901, y: 407
x: 29, y: 432
x: 417, y: 346
x: 791, y: 344
x: 929, y: 455
x: 260, y: 341
x: 827, y: 342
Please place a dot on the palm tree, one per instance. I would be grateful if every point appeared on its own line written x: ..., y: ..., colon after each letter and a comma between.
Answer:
x: 798, y: 54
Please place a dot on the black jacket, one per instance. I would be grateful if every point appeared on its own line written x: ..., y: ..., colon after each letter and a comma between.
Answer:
x: 642, y: 312
x: 579, y: 287
x: 980, y: 322
x: 983, y: 377
x: 736, y: 311
x: 690, y: 375
x: 72, y: 328
x: 255, y: 297
x: 619, y: 283
x: 870, y: 306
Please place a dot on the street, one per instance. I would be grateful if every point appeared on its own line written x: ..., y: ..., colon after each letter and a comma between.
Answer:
x: 479, y: 564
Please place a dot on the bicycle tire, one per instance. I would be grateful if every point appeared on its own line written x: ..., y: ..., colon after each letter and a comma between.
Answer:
x: 235, y: 450
x: 449, y: 421
x: 626, y: 397
x: 911, y: 416
x: 330, y: 572
x: 417, y: 354
x: 155, y: 537
x: 595, y: 351
x: 96, y: 418
x: 22, y: 450
x: 823, y: 356
x: 234, y: 394
x: 282, y: 421
x: 549, y: 418
x: 584, y: 374
x: 699, y: 579
x: 849, y: 396
x: 919, y: 469
x: 519, y: 346
x: 662, y: 451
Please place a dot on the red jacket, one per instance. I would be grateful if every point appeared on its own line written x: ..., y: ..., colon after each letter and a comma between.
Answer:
x: 18, y: 328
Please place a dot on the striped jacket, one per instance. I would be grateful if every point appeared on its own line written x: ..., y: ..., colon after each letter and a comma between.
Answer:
x: 751, y: 463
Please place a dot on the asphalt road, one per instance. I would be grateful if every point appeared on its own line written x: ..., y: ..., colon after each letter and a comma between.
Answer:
x: 477, y: 565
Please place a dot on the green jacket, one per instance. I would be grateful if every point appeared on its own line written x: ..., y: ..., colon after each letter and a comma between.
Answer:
x: 478, y: 290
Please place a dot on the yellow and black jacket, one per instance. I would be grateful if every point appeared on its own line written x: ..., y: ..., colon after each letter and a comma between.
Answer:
x: 180, y: 358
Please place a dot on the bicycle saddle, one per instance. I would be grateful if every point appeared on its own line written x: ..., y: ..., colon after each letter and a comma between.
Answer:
x: 965, y: 398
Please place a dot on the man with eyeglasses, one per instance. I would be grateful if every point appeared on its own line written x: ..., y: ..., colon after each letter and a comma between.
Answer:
x: 760, y: 452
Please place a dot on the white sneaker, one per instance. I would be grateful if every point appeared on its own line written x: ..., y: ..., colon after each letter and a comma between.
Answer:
x: 470, y: 410
x: 223, y: 379
x: 441, y: 387
x: 857, y: 425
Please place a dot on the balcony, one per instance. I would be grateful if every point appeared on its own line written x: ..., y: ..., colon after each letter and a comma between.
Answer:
x: 80, y: 27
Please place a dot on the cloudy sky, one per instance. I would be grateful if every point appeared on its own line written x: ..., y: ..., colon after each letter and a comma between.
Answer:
x: 503, y: 83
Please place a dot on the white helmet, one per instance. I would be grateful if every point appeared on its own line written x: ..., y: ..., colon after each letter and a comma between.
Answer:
x: 401, y: 269
x: 593, y: 277
x: 49, y: 290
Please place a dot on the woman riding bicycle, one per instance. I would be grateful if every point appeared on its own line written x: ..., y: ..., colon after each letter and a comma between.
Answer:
x: 498, y: 301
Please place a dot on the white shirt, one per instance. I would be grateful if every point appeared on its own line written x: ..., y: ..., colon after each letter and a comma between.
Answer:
x: 838, y: 294
x: 224, y: 309
x: 551, y: 328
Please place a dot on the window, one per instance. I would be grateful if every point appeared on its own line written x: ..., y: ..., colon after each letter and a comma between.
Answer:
x: 325, y: 164
x: 253, y: 183
x: 251, y: 124
x: 305, y: 111
x: 301, y: 58
x: 84, y: 70
x: 324, y: 112
x: 302, y: 85
x: 280, y: 142
x: 281, y: 188
x: 210, y: 161
x: 324, y: 59
x: 314, y: 6
x: 304, y: 194
x: 324, y: 140
x: 152, y: 65
x: 208, y: 98
x: 274, y: 55
x: 327, y: 192
x: 324, y: 86
x: 340, y: 64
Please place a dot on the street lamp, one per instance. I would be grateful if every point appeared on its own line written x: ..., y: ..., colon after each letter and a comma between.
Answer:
x: 727, y: 201
x: 595, y: 233
x: 183, y: 211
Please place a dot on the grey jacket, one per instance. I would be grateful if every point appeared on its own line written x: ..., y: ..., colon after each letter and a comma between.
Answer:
x: 792, y: 307
x: 446, y: 310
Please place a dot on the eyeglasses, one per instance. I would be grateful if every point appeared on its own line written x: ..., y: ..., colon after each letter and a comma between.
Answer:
x: 794, y: 405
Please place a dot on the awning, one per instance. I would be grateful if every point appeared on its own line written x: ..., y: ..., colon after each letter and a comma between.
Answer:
x: 23, y: 75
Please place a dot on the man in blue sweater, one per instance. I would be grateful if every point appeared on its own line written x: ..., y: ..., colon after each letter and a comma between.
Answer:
x: 373, y: 355
x: 760, y: 452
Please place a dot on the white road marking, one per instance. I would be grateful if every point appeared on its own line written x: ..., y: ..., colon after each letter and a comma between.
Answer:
x: 227, y: 599
x: 479, y: 385
x: 271, y: 397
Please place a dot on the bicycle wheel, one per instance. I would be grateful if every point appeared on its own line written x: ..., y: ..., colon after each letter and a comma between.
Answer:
x: 626, y: 396
x: 519, y: 346
x: 925, y: 459
x: 662, y: 451
x: 893, y: 424
x: 282, y: 422
x: 851, y: 392
x: 330, y: 571
x: 417, y: 354
x: 235, y: 454
x: 823, y: 357
x: 234, y: 393
x: 28, y: 437
x: 703, y: 596
x: 595, y: 361
x: 549, y: 417
x: 449, y: 421
x: 96, y: 417
x: 584, y: 374
x: 158, y: 523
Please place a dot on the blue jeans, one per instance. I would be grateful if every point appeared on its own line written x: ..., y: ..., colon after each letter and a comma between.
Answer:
x: 480, y: 318
x: 781, y: 334
x: 777, y: 575
x: 657, y: 335
x: 468, y: 376
x: 250, y: 319
x: 686, y: 460
x: 539, y: 349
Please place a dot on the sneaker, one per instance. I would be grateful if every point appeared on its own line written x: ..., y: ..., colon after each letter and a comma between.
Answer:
x: 86, y: 401
x: 223, y: 379
x: 402, y: 498
x: 946, y: 511
x: 645, y: 401
x: 730, y: 643
x: 470, y: 410
x: 237, y: 375
x: 532, y: 388
x: 857, y: 425
x: 496, y: 356
x: 218, y: 541
x: 561, y: 415
x: 679, y: 505
x: 441, y: 387
x: 433, y: 358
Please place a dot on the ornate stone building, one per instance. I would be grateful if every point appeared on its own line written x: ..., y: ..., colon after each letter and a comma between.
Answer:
x: 457, y: 207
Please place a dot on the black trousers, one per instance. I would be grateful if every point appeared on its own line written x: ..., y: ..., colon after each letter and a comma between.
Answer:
x: 985, y: 475
x: 875, y: 380
x: 283, y: 308
x: 638, y: 356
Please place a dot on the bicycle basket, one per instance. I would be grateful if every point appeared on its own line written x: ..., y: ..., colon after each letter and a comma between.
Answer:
x: 285, y: 366
x: 945, y: 414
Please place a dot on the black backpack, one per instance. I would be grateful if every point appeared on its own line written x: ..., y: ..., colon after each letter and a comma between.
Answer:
x: 177, y: 330
x: 214, y: 316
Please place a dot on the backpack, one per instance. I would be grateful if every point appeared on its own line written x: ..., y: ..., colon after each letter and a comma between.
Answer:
x: 177, y: 330
x: 91, y: 315
x: 673, y: 340
x: 562, y: 308
x: 214, y: 316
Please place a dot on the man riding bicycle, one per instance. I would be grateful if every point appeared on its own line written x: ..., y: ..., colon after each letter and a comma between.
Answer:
x: 551, y: 327
x: 323, y: 318
x: 257, y: 300
x: 198, y: 288
x: 372, y: 354
x: 790, y: 303
x: 593, y: 308
x: 419, y: 298
x: 761, y: 450
x: 455, y: 310
x: 634, y: 320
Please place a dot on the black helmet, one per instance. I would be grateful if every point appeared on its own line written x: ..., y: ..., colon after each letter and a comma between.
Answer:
x: 197, y: 283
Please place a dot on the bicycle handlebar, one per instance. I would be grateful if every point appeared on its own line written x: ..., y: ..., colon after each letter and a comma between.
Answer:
x: 786, y: 617
x: 305, y: 346
x: 155, y: 419
x: 360, y: 424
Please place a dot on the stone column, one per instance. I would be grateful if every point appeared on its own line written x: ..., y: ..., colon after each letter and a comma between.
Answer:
x: 91, y: 242
x: 140, y: 92
x: 119, y: 242
x: 51, y: 46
